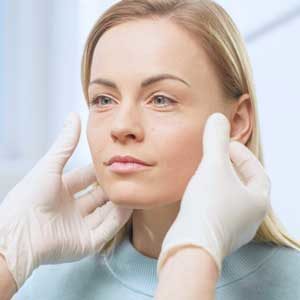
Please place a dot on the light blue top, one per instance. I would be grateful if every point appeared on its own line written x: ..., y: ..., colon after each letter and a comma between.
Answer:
x: 256, y: 271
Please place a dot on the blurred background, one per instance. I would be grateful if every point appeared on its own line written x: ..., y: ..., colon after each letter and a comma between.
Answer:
x: 41, y: 44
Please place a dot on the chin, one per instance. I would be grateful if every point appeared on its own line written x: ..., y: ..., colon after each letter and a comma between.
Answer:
x: 131, y: 196
x: 132, y: 202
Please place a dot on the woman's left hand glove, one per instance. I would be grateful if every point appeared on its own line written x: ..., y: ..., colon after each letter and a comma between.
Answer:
x: 220, y: 212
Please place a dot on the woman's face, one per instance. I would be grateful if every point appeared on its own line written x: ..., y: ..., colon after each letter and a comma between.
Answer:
x: 161, y: 123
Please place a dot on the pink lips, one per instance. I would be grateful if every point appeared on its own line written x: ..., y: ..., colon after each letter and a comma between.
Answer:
x: 126, y: 164
x: 127, y: 167
x: 126, y: 159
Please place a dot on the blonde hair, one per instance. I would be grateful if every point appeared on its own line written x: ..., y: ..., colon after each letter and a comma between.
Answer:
x: 210, y: 24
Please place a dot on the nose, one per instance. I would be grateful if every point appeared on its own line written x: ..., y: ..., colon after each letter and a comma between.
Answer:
x: 127, y: 125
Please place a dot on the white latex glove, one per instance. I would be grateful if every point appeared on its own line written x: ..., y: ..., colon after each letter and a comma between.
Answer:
x: 41, y: 222
x: 219, y: 211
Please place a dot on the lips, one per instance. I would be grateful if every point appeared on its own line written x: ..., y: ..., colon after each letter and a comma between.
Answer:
x: 126, y: 159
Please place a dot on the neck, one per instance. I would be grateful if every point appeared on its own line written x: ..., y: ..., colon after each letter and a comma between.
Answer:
x: 149, y: 228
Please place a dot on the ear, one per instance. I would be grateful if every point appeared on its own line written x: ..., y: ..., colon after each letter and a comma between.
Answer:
x: 242, y: 117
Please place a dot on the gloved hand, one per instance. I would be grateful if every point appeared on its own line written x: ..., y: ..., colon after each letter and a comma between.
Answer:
x: 41, y: 222
x: 224, y: 203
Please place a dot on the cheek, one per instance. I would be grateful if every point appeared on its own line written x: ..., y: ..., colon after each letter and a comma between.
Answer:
x: 179, y: 156
x: 96, y: 141
x: 182, y: 151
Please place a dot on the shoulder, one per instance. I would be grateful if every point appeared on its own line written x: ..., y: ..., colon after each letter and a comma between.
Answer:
x: 286, y: 262
x: 66, y: 280
x: 278, y: 276
x: 262, y: 271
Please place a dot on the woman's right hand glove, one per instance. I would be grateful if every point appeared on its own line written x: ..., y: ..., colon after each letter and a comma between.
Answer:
x: 219, y: 211
x: 41, y: 222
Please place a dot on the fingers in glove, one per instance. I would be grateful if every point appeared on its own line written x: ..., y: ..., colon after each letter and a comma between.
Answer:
x: 88, y: 202
x: 96, y: 218
x: 111, y: 224
x: 249, y: 167
x: 216, y: 137
x: 80, y: 178
x: 64, y: 146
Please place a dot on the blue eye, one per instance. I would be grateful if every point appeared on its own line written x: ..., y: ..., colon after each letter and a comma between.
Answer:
x: 95, y: 100
x: 163, y: 97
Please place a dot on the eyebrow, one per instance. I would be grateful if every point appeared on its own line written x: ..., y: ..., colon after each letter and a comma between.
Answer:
x: 146, y: 82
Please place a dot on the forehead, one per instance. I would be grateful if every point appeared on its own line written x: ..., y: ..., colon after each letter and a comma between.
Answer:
x: 148, y: 47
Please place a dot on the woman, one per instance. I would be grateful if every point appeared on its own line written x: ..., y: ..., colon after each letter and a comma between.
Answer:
x: 198, y: 42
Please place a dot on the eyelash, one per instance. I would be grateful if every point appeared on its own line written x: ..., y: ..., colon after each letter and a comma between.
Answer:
x: 94, y: 99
